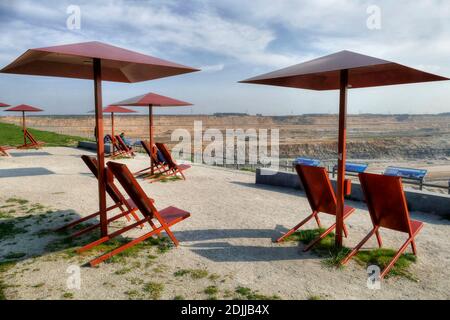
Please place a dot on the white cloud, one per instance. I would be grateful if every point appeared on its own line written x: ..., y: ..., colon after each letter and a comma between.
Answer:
x: 213, y: 67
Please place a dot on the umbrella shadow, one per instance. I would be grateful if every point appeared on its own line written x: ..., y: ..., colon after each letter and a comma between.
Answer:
x: 32, y: 233
x: 29, y: 154
x: 24, y: 172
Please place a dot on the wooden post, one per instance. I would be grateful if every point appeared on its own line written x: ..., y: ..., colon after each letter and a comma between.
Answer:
x: 100, y: 146
x: 342, y: 154
x: 24, y: 129
x: 150, y: 125
x: 112, y: 134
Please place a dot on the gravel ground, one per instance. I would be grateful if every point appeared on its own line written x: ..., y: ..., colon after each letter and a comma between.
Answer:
x: 224, y: 245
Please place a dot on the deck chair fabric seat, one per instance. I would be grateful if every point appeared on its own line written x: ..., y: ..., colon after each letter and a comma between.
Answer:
x: 166, y: 217
x: 321, y: 197
x: 126, y: 206
x: 388, y: 209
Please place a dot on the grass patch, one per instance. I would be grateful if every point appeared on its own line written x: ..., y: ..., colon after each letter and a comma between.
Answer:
x: 10, y: 134
x: 122, y: 271
x: 67, y: 295
x: 194, y: 273
x: 178, y: 297
x: 211, y: 290
x: 17, y: 200
x: 324, y: 249
x: 154, y: 289
x: 381, y: 257
x: 333, y: 256
x: 249, y: 294
x: 170, y: 179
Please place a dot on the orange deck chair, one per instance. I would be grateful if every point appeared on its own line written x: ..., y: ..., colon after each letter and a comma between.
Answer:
x: 388, y: 209
x: 30, y: 141
x: 321, y: 198
x: 166, y: 217
x: 126, y: 206
x: 173, y: 168
x: 158, y: 165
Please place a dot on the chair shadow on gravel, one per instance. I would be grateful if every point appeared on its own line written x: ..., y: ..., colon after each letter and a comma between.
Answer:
x: 29, y: 154
x: 223, y: 251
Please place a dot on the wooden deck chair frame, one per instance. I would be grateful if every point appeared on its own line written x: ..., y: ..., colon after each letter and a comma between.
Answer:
x: 4, y: 151
x: 116, y: 151
x: 166, y: 217
x: 158, y: 166
x: 126, y: 206
x: 321, y: 198
x: 123, y: 147
x: 388, y: 209
x: 173, y: 168
x: 32, y: 144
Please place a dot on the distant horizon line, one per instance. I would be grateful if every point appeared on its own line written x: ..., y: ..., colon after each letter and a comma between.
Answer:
x: 231, y: 115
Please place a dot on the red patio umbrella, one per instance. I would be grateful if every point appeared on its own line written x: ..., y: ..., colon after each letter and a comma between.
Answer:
x: 95, y: 61
x: 3, y: 105
x: 24, y: 108
x: 112, y: 110
x: 151, y: 100
x: 343, y: 70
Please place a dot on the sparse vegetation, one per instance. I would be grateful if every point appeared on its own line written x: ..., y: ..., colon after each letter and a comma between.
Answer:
x: 333, y: 257
x: 249, y: 294
x: 154, y: 290
x: 194, y: 273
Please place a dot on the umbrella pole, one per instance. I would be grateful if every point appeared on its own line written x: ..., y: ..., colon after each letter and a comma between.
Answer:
x: 112, y: 133
x: 342, y: 154
x: 100, y: 147
x: 150, y: 124
x: 24, y: 129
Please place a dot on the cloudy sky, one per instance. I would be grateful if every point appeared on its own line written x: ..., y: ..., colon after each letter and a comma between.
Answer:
x: 231, y: 40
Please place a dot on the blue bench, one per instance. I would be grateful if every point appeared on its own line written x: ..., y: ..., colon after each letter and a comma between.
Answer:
x: 307, y: 162
x: 407, y: 173
x: 352, y: 167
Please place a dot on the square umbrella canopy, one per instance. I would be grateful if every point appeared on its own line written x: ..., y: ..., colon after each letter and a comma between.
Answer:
x: 112, y: 110
x: 95, y: 61
x: 151, y: 100
x: 341, y: 71
x: 24, y: 108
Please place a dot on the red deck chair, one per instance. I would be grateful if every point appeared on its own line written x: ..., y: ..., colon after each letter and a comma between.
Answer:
x: 4, y: 151
x: 173, y: 168
x: 30, y: 141
x: 321, y: 198
x: 166, y: 217
x: 126, y: 150
x: 158, y: 166
x: 126, y: 206
x: 388, y: 209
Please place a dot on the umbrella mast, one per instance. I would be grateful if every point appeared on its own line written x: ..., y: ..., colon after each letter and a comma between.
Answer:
x: 23, y: 128
x: 342, y: 155
x: 100, y: 145
x: 150, y: 125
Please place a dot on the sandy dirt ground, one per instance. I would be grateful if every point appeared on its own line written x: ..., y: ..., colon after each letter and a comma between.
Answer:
x: 227, y: 242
